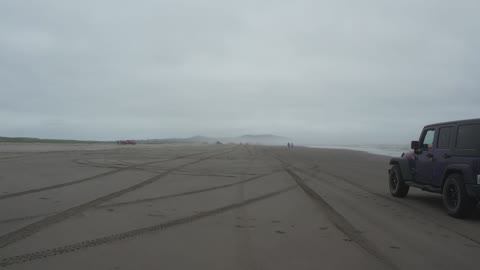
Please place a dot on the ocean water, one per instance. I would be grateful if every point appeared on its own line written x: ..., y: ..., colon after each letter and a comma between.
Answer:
x: 391, y: 150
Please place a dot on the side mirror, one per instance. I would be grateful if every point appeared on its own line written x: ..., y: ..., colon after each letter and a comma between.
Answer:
x: 415, y: 145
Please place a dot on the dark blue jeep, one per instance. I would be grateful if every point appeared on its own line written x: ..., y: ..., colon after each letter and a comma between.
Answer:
x: 445, y: 160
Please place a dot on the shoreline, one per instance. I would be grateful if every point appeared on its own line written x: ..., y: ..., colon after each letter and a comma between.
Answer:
x: 369, y: 149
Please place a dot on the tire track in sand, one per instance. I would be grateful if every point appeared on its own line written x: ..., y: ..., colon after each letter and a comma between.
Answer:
x: 138, y: 201
x: 393, y: 200
x: 134, y: 233
x: 28, y: 230
x: 338, y: 219
x: 94, y: 177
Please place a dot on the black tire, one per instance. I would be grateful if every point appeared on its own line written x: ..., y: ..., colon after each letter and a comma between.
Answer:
x: 455, y: 197
x: 398, y: 188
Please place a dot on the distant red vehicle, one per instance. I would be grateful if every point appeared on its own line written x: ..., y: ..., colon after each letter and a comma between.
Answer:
x: 125, y: 142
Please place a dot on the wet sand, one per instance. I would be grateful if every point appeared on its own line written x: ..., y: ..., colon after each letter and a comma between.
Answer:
x: 218, y: 207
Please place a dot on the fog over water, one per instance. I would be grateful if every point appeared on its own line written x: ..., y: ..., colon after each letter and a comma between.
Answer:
x: 320, y: 72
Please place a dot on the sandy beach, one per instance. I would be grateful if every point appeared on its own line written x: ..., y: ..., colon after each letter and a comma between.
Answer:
x: 180, y: 206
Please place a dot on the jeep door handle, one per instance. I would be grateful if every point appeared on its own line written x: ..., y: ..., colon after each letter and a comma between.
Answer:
x: 445, y: 156
x: 429, y: 155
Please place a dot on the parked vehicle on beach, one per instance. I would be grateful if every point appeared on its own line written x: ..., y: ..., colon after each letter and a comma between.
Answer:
x: 445, y: 160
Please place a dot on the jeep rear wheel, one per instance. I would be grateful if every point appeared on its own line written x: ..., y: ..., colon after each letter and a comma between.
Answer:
x: 398, y: 188
x: 455, y: 198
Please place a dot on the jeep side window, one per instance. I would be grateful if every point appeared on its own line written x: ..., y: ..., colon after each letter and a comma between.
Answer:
x: 427, y: 141
x: 468, y: 137
x: 444, y: 138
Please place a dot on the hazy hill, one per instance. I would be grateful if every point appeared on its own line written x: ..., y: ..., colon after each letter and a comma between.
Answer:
x: 265, y: 139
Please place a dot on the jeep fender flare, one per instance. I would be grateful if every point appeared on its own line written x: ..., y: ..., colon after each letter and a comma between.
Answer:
x: 404, y: 167
x: 463, y: 169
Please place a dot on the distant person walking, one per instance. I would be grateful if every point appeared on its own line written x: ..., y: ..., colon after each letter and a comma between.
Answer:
x: 288, y: 145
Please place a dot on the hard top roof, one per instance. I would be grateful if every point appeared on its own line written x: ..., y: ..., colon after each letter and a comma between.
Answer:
x: 467, y: 121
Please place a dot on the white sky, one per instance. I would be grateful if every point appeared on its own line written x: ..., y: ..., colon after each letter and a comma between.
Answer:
x: 316, y: 71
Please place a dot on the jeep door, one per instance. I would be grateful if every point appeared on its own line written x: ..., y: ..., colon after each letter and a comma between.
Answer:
x: 424, y: 157
x: 442, y: 154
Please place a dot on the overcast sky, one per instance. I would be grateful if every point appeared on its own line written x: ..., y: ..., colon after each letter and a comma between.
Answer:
x: 316, y: 71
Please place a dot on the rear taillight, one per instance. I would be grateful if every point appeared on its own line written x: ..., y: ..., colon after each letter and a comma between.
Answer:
x: 478, y: 179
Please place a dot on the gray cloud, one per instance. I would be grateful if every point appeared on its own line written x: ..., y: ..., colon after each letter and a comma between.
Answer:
x: 317, y: 71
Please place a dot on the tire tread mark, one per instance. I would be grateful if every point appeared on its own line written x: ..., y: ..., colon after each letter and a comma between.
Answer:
x: 385, y: 197
x: 136, y: 232
x: 184, y: 193
x: 16, y: 194
x: 30, y: 154
x: 249, y: 151
x: 340, y: 221
x: 33, y: 228
x: 10, y: 220
x: 207, y: 175
x: 398, y: 202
